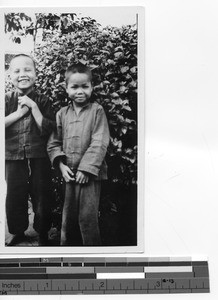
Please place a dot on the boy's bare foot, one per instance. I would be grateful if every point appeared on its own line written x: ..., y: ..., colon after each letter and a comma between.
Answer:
x: 15, y: 239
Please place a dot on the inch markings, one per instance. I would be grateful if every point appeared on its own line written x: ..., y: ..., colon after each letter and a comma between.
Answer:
x: 102, y: 276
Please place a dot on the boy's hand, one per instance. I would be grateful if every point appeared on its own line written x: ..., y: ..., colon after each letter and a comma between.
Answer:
x: 22, y: 110
x: 36, y: 113
x: 82, y: 177
x: 25, y: 100
x: 66, y: 172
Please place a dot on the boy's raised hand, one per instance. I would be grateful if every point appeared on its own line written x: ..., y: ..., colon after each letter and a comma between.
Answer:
x: 37, y: 115
x: 82, y: 177
x: 25, y: 100
x: 66, y: 172
x: 22, y: 110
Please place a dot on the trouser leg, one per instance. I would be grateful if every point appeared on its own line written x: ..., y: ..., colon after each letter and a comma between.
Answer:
x: 88, y: 213
x: 17, y: 195
x: 41, y: 194
x: 70, y: 232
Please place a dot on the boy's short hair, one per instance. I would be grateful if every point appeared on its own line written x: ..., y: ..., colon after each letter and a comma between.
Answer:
x: 23, y: 55
x: 77, y: 68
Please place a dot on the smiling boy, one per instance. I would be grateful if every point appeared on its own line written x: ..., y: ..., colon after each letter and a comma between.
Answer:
x: 78, y: 148
x: 29, y: 120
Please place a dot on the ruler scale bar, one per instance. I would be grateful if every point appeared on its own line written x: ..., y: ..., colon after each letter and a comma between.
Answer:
x: 47, y: 276
x: 168, y: 269
x: 99, y: 275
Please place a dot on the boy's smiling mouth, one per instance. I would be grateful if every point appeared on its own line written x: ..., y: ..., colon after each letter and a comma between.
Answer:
x: 23, y: 80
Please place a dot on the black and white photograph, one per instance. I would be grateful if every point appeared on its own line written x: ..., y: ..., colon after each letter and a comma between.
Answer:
x: 73, y: 131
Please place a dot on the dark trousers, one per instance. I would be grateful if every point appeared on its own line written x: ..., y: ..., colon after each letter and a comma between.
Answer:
x: 80, y: 214
x: 24, y: 178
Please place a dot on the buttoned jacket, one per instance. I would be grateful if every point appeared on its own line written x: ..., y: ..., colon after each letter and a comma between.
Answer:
x: 81, y: 140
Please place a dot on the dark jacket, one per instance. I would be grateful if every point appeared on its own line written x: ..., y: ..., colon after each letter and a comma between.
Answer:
x: 23, y: 138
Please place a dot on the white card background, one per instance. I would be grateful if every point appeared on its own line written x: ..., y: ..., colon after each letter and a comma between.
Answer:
x: 181, y: 136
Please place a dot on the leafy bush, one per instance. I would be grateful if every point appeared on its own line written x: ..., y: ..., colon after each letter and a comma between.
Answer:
x: 111, y: 53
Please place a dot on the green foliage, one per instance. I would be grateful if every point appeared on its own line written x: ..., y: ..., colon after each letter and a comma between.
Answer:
x: 111, y: 53
x: 17, y: 25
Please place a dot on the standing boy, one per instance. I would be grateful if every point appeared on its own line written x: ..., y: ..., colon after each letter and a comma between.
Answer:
x: 78, y: 148
x: 29, y: 120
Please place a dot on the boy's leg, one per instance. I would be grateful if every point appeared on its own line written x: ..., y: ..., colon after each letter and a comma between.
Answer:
x: 70, y: 232
x: 41, y: 196
x: 88, y: 213
x: 17, y: 197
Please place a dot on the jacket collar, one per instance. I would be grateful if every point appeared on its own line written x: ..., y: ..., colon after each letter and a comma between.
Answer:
x: 31, y: 94
x: 70, y: 106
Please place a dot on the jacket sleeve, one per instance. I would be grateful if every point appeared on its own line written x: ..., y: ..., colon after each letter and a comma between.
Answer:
x: 55, y: 142
x: 93, y: 157
x: 48, y: 120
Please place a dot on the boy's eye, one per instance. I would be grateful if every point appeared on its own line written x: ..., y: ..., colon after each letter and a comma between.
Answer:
x: 76, y: 86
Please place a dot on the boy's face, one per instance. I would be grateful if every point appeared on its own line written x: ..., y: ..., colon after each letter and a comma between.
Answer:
x: 79, y: 88
x: 22, y: 73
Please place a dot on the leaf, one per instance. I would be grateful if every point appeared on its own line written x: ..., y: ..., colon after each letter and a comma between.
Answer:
x: 132, y: 84
x: 106, y: 82
x: 114, y: 95
x: 70, y: 55
x: 108, y: 73
x: 102, y: 94
x: 65, y: 22
x: 57, y: 78
x: 92, y: 67
x: 111, y: 62
x: 105, y: 52
x: 128, y: 151
x: 80, y: 49
x: 120, y: 118
x: 133, y: 70
x: 124, y: 69
x: 122, y: 89
x: 82, y: 61
x: 112, y: 108
x: 128, y: 121
x: 62, y: 84
x: 127, y: 108
x: 105, y: 33
x: 109, y: 44
x: 118, y: 54
x: 117, y: 101
x: 124, y: 130
x: 119, y: 48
